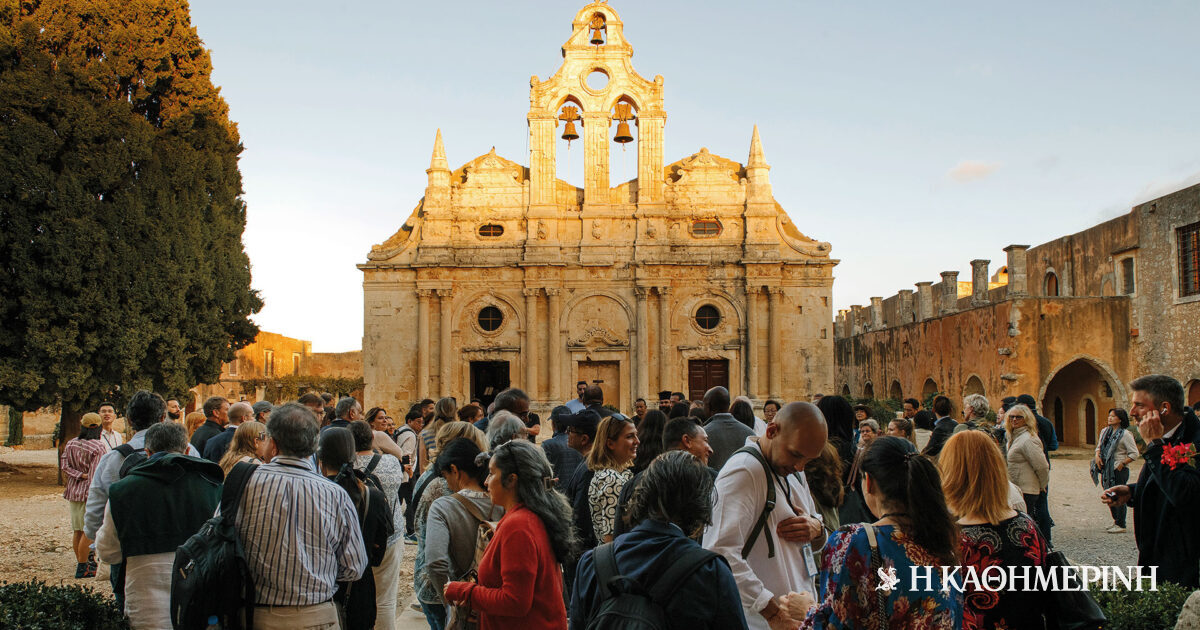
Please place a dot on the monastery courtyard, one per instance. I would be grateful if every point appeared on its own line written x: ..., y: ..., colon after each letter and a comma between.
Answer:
x: 35, y: 530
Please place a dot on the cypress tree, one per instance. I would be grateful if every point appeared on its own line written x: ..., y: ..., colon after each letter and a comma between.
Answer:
x: 121, y: 218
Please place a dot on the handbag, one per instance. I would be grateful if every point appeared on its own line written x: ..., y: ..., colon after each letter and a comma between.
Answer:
x: 879, y: 616
x: 1071, y: 610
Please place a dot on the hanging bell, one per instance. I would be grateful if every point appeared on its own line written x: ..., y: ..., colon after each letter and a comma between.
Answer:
x: 623, y: 134
x: 569, y: 132
x: 597, y: 38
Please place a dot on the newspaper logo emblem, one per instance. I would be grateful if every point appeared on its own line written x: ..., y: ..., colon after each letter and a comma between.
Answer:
x: 887, y: 579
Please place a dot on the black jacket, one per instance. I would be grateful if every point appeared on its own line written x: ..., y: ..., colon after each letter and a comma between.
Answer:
x: 204, y: 433
x: 1166, y: 511
x: 941, y: 432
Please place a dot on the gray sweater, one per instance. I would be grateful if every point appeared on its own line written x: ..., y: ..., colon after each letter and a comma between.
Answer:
x: 450, y: 534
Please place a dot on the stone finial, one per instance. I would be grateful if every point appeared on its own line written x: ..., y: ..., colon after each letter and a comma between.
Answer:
x: 1018, y: 271
x: 439, y: 169
x: 949, y: 292
x: 979, y: 282
x: 757, y: 158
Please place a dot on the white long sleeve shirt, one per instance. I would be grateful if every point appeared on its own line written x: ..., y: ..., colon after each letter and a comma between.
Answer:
x: 741, y: 495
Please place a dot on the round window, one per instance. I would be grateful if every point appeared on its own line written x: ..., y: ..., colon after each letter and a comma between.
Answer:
x: 490, y: 318
x: 707, y: 317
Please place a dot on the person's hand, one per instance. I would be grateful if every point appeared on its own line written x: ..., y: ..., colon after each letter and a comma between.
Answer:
x: 534, y: 429
x: 1120, y: 466
x: 1150, y: 425
x: 1116, y: 496
x: 798, y: 604
x: 799, y: 529
x: 1099, y: 462
x: 777, y: 615
x: 83, y: 477
x: 408, y: 469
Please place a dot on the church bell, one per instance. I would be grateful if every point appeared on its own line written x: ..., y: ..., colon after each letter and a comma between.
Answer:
x: 569, y: 132
x: 597, y: 38
x: 623, y: 134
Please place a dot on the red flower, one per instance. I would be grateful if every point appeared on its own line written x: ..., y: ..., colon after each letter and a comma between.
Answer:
x: 1178, y: 454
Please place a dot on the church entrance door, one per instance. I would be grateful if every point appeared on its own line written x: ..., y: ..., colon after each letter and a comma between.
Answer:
x: 705, y: 374
x: 488, y: 378
x: 606, y: 374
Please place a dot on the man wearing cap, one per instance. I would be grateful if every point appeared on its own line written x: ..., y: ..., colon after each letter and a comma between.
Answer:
x: 664, y: 401
x: 262, y: 409
x: 563, y: 459
x: 215, y: 447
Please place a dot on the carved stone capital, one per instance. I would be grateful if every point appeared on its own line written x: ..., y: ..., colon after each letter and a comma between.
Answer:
x: 445, y: 293
x: 641, y: 292
x: 663, y: 291
x: 530, y: 292
x: 553, y: 291
x: 424, y: 294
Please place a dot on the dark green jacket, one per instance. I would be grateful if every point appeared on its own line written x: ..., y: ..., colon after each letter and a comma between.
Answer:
x: 163, y: 502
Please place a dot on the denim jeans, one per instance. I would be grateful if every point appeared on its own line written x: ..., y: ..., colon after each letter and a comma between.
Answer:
x: 435, y: 615
x: 1042, y: 518
x: 1121, y: 477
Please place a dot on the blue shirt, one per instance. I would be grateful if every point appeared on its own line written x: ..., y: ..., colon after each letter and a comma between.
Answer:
x: 707, y: 599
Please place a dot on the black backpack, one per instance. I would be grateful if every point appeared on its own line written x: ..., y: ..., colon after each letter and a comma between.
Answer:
x: 132, y: 457
x: 210, y: 577
x: 368, y: 475
x: 624, y: 604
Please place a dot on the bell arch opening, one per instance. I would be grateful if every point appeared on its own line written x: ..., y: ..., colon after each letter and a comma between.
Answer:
x: 568, y: 147
x: 623, y: 153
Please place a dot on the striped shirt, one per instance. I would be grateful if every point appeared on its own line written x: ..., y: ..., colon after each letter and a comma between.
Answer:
x: 300, y: 533
x: 79, y: 458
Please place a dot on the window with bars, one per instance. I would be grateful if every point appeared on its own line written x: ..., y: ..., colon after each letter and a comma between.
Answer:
x: 491, y: 230
x: 490, y: 318
x: 708, y: 317
x: 1188, y: 238
x: 707, y: 228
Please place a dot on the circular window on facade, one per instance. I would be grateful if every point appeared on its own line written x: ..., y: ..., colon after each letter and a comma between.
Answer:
x: 490, y: 318
x: 708, y: 317
x: 491, y: 230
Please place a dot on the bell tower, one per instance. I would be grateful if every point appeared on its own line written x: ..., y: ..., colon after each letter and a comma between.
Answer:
x: 595, y: 88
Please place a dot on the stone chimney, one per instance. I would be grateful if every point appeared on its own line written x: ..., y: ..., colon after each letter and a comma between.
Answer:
x: 856, y: 320
x: 979, y: 282
x: 1018, y: 271
x: 876, y: 313
x: 949, y: 292
x: 924, y: 301
x: 905, y: 307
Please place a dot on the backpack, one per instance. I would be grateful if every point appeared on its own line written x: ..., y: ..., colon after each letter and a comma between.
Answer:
x: 462, y: 617
x: 625, y: 604
x: 132, y: 457
x: 210, y: 576
x: 369, y: 474
x: 760, y: 526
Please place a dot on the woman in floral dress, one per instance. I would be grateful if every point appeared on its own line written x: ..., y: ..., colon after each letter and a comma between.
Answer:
x: 915, y: 530
x: 975, y: 481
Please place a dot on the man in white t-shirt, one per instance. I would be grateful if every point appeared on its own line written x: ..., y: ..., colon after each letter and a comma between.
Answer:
x: 781, y: 557
x: 109, y: 436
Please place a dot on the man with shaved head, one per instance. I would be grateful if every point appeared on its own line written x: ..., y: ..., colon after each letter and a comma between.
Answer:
x: 773, y: 551
x: 215, y: 447
x: 725, y: 433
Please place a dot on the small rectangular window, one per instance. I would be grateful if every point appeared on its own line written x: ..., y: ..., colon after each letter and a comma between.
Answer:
x: 269, y: 363
x: 295, y: 363
x: 1127, y: 282
x: 233, y: 367
x: 1189, y: 259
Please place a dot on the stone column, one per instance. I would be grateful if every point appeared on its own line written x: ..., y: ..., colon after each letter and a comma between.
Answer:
x: 642, y: 356
x: 905, y: 307
x: 949, y: 292
x: 664, y: 338
x: 422, y: 388
x: 553, y: 349
x: 531, y: 384
x: 774, y: 308
x: 876, y: 313
x: 1018, y: 272
x: 596, y: 157
x: 444, y: 329
x: 924, y: 301
x: 979, y: 282
x: 752, y: 335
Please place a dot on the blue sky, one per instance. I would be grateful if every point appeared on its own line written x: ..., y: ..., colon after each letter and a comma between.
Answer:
x: 914, y: 137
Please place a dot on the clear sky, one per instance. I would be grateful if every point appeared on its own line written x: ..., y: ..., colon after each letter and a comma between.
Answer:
x: 913, y: 136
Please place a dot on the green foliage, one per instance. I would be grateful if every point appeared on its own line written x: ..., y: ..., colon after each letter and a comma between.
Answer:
x: 284, y: 388
x: 1143, y: 610
x: 37, y: 606
x: 121, y: 218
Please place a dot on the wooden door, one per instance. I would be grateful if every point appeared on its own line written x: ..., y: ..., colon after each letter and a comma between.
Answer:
x: 606, y: 374
x: 1089, y: 419
x: 705, y: 374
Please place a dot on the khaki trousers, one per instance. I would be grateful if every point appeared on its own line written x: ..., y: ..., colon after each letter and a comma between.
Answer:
x: 387, y: 583
x: 316, y: 617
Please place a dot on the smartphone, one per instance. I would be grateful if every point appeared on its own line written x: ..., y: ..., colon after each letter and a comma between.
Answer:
x: 405, y: 460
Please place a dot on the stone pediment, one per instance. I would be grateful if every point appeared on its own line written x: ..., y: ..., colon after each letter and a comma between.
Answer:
x: 490, y: 171
x: 705, y: 170
x: 597, y: 335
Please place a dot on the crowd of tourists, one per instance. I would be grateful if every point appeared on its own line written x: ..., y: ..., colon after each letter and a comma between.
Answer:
x: 684, y: 514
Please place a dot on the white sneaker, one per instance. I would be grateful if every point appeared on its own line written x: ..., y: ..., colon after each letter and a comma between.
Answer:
x: 1116, y: 529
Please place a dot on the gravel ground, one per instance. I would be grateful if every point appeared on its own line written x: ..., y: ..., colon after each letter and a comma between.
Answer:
x: 35, y: 531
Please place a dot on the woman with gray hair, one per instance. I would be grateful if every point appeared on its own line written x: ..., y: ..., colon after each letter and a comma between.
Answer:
x: 975, y: 409
x: 531, y: 542
x: 504, y: 427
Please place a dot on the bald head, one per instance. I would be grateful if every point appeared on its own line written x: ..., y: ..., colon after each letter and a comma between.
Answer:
x: 716, y: 400
x: 795, y: 436
x: 240, y: 412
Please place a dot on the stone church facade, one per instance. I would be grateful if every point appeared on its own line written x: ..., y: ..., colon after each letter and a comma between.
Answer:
x: 688, y: 276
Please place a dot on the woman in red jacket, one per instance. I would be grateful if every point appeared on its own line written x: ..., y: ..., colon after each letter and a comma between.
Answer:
x: 520, y: 575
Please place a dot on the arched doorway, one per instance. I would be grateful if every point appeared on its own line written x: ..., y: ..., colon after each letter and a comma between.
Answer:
x: 868, y: 390
x: 1075, y: 393
x: 973, y: 386
x: 845, y: 391
x: 895, y: 392
x: 1193, y: 392
x: 928, y: 389
x: 1051, y: 284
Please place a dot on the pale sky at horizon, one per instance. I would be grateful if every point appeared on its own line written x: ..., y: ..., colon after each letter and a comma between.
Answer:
x: 913, y: 137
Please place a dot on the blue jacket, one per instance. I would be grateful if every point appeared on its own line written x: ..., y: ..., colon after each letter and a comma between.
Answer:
x: 215, y: 447
x: 709, y: 598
